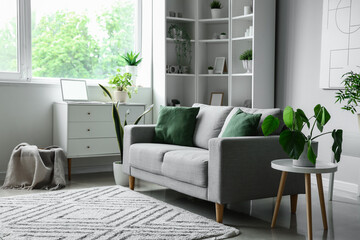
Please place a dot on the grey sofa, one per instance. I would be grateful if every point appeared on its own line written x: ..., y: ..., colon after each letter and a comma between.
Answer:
x: 220, y: 170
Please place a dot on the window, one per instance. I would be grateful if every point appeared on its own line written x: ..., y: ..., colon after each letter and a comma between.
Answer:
x: 82, y: 39
x: 8, y: 36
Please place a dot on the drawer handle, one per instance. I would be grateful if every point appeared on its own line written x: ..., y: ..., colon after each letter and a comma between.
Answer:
x: 88, y: 147
x: 89, y: 113
x: 88, y: 129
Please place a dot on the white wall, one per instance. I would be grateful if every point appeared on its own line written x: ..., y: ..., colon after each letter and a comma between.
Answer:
x: 26, y: 116
x: 298, y: 72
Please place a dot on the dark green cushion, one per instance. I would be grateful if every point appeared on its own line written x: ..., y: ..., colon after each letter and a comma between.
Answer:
x: 176, y: 125
x: 242, y: 124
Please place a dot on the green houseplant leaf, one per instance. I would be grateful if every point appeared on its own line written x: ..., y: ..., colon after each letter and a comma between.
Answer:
x: 269, y: 125
x: 288, y: 117
x: 337, y: 135
x: 292, y: 142
x: 310, y: 153
x: 143, y: 114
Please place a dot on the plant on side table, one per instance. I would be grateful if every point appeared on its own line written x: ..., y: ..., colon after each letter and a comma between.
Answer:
x: 351, y: 93
x: 120, y: 177
x: 246, y: 58
x: 295, y: 143
x: 132, y: 62
x: 122, y: 83
x: 215, y: 9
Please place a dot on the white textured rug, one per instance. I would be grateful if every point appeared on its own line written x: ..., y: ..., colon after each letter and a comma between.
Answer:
x: 102, y: 213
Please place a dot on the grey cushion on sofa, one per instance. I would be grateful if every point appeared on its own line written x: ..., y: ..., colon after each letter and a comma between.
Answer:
x: 209, y: 122
x: 149, y: 156
x: 190, y: 166
x: 276, y: 112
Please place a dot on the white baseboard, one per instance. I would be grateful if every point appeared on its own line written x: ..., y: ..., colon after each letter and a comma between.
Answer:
x: 339, y: 185
x: 78, y: 170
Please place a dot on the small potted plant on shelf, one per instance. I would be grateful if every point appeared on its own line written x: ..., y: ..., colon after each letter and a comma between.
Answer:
x: 122, y: 82
x: 132, y: 61
x: 120, y: 177
x: 246, y: 58
x: 296, y: 144
x: 351, y: 93
x: 223, y: 35
x: 210, y: 70
x: 216, y: 9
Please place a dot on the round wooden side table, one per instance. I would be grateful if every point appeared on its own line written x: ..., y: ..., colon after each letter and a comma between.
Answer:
x: 285, y: 165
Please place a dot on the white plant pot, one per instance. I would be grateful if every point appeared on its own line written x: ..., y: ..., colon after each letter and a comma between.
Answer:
x: 120, y: 177
x: 216, y: 13
x: 303, y: 161
x: 120, y: 96
x: 134, y: 71
x: 247, y: 65
x: 358, y: 115
x: 223, y: 36
x: 210, y: 71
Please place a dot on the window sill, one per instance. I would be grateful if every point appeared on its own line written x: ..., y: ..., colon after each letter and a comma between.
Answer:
x: 53, y: 82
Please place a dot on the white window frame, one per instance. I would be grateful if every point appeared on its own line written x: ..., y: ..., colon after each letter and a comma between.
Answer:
x: 24, y: 52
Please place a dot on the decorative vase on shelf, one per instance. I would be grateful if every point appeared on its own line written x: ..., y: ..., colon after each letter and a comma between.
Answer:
x: 120, y: 96
x: 303, y: 160
x: 120, y: 177
x: 216, y: 12
x: 210, y: 71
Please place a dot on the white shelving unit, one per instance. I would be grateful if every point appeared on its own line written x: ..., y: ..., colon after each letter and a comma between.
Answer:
x: 196, y: 86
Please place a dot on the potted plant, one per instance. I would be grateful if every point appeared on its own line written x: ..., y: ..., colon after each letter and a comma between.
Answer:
x: 182, y: 46
x: 120, y: 177
x: 210, y: 70
x: 351, y: 93
x: 296, y: 144
x: 223, y: 35
x: 246, y: 58
x: 132, y: 61
x: 216, y: 9
x: 122, y: 82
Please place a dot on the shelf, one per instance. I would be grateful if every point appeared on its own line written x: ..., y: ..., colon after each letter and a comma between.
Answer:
x: 248, y: 17
x: 179, y: 20
x: 214, y: 20
x: 214, y: 41
x: 180, y: 75
x: 214, y: 75
x: 173, y: 40
x: 243, y: 38
x: 242, y: 74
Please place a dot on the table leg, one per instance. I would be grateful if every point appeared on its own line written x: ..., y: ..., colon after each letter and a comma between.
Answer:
x: 308, y: 204
x: 322, y: 201
x: 69, y: 169
x: 278, y: 198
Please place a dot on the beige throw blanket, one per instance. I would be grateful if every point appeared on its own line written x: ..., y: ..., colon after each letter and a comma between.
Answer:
x: 33, y: 168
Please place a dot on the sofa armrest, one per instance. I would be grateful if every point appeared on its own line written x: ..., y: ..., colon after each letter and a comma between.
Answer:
x: 135, y: 134
x: 240, y: 169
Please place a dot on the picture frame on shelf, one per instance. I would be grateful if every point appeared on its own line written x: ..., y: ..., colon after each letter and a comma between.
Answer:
x: 216, y: 99
x: 220, y: 65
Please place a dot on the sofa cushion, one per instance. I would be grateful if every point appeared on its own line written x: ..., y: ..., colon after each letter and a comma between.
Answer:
x: 242, y: 124
x: 149, y: 156
x: 176, y: 125
x: 190, y: 166
x: 209, y: 122
x: 276, y: 112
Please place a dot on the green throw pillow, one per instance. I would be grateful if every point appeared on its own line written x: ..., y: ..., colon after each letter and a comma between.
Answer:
x: 176, y: 125
x: 242, y: 124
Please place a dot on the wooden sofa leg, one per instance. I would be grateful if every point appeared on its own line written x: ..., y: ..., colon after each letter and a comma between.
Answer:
x: 131, y: 182
x: 293, y: 203
x: 219, y: 208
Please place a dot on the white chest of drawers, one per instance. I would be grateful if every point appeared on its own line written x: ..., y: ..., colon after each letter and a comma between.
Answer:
x: 87, y: 129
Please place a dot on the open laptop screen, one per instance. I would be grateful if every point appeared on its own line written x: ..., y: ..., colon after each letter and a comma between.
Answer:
x: 74, y: 90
